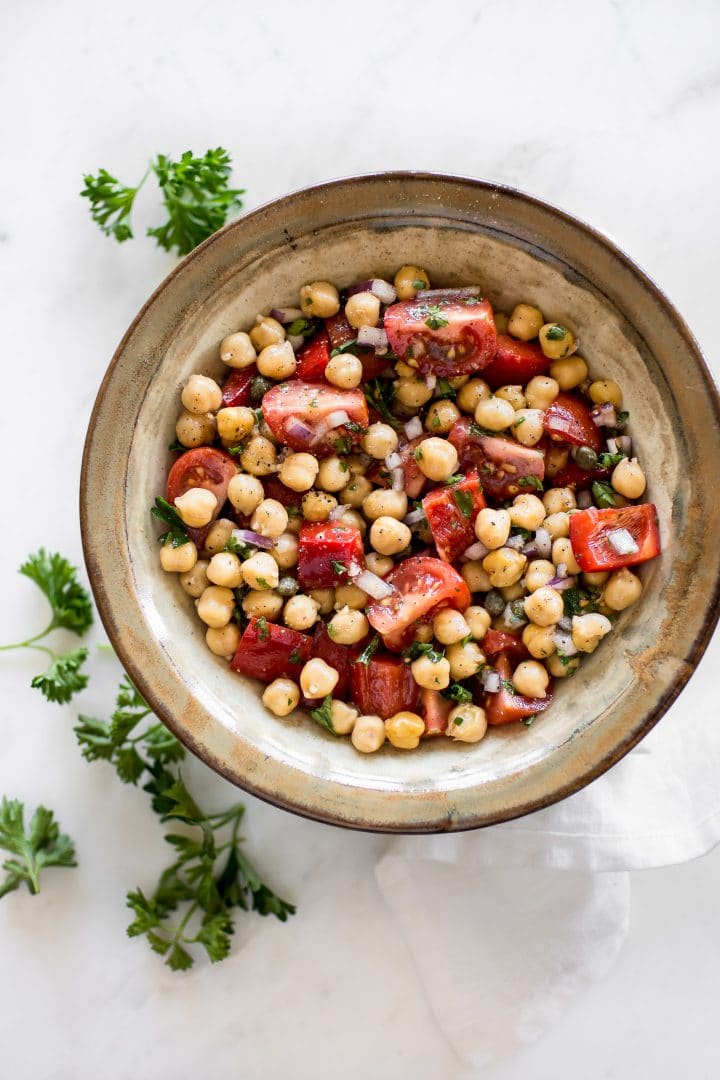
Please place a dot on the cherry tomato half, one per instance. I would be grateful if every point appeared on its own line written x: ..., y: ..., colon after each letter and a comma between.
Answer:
x: 516, y: 362
x: 591, y: 531
x: 384, y: 686
x: 451, y: 513
x: 506, y: 706
x: 421, y: 586
x: 268, y: 651
x: 568, y: 419
x: 504, y: 467
x: 204, y: 467
x: 443, y: 332
x: 298, y: 414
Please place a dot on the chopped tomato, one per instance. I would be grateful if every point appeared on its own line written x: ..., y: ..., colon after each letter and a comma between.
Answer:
x: 268, y: 651
x: 504, y: 467
x: 303, y: 415
x: 198, y: 536
x: 421, y: 586
x: 507, y: 706
x: 414, y: 480
x: 571, y: 475
x: 275, y: 489
x: 497, y: 641
x: 435, y: 710
x: 327, y: 552
x: 236, y: 389
x: 340, y: 657
x: 204, y: 467
x: 384, y: 686
x: 314, y: 357
x: 451, y: 513
x: 445, y: 333
x: 591, y: 530
x: 340, y: 332
x: 516, y: 362
x: 568, y: 419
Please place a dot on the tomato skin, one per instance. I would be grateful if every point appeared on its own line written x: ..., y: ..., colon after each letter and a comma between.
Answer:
x: 265, y: 650
x: 435, y: 710
x: 236, y: 388
x: 321, y: 545
x: 205, y: 467
x: 314, y: 357
x: 414, y: 479
x: 275, y: 489
x: 340, y: 331
x: 422, y: 585
x: 490, y: 455
x: 568, y: 419
x: 311, y: 403
x: 592, y: 549
x: 340, y: 657
x: 465, y: 344
x: 516, y: 362
x: 506, y: 707
x: 575, y: 477
x: 452, y: 530
x: 498, y: 641
x: 384, y: 686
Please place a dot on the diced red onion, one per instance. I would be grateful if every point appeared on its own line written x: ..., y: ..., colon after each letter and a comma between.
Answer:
x: 560, y: 584
x: 563, y: 426
x: 373, y: 337
x: 491, y: 682
x: 604, y: 415
x: 247, y: 536
x: 565, y: 623
x: 414, y: 517
x: 297, y: 341
x: 393, y: 461
x: 332, y: 420
x: 466, y: 291
x: 515, y: 542
x: 431, y: 381
x: 359, y: 286
x: 583, y: 499
x: 383, y: 290
x: 565, y: 644
x: 373, y: 585
x: 622, y: 542
x: 397, y: 479
x: 476, y: 550
x: 338, y: 511
x: 298, y: 429
x: 624, y: 443
x: 561, y: 570
x: 530, y: 550
x: 612, y: 446
x: 543, y: 543
x: 414, y: 428
x: 286, y: 315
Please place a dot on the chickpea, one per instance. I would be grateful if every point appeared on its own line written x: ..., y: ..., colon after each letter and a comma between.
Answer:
x: 318, y: 679
x: 589, y: 630
x: 342, y: 717
x: 494, y: 414
x: 527, y: 512
x: 513, y: 592
x: 195, y: 581
x: 466, y: 723
x: 478, y: 620
x: 513, y: 395
x: 441, y: 416
x: 596, y: 578
x: 557, y: 525
x: 196, y: 507
x: 298, y: 471
x: 233, y: 424
x: 556, y: 341
x: 471, y: 394
x: 368, y: 734
x: 300, y: 612
x: 262, y: 603
x: 389, y: 536
x: 465, y: 660
x: 432, y: 675
x: 281, y: 696
x: 450, y: 626
x: 560, y: 669
x: 379, y: 564
x: 504, y: 566
x: 345, y: 371
x: 237, y: 350
x: 606, y: 391
x: 412, y: 393
x: 492, y: 527
x: 356, y: 491
x: 541, y: 391
x: 628, y: 479
x: 317, y: 505
x: 178, y: 560
x: 277, y: 361
x: 201, y: 395
x: 216, y: 605
x: 348, y: 626
x: 218, y: 535
x: 458, y: 381
x: 437, y: 458
x: 531, y: 679
x: 325, y: 598
x: 544, y: 606
x: 225, y: 569
x: 259, y: 456
x: 194, y: 430
x: 562, y: 552
x: 332, y: 474
x: 245, y: 493
x: 266, y: 331
x: 525, y: 322
x: 409, y: 280
x: 354, y: 520
x: 622, y: 590
x: 423, y: 632
x: 350, y: 596
x: 502, y: 322
x: 380, y: 440
x: 527, y: 426
x: 270, y: 518
x: 223, y: 640
x: 362, y: 309
x: 556, y: 458
x: 538, y: 574
x: 404, y: 370
x: 570, y: 372
x: 404, y: 730
x: 539, y: 640
x: 260, y: 571
x: 559, y: 500
x: 285, y: 551
x: 475, y: 576
x: 320, y: 299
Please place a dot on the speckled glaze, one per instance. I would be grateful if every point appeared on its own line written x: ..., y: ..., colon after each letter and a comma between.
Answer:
x: 516, y: 248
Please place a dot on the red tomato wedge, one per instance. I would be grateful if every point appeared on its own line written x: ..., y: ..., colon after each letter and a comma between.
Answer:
x: 591, y: 533
x: 497, y: 641
x: 414, y: 480
x: 384, y: 686
x: 451, y: 513
x: 340, y: 657
x: 506, y: 706
x: 504, y: 467
x: 435, y: 710
x: 444, y: 331
x: 304, y: 415
x: 575, y: 477
x: 314, y: 357
x: 340, y: 332
x: 568, y: 419
x: 326, y: 553
x: 203, y: 467
x: 268, y: 651
x: 515, y: 362
x: 236, y: 389
x: 422, y: 585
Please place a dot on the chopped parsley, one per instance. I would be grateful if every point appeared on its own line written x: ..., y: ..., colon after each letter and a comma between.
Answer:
x: 236, y: 547
x: 345, y: 347
x: 419, y: 285
x: 456, y: 478
x: 458, y: 693
x: 607, y: 461
x: 464, y: 501
x: 263, y: 629
x: 531, y: 481
x: 527, y: 721
x: 379, y: 393
x: 176, y: 446
x: 177, y: 531
x: 323, y: 715
x: 477, y: 431
x: 338, y: 567
x: 369, y: 651
x: 343, y: 446
x: 295, y: 657
x: 603, y: 495
x: 507, y: 686
x: 458, y: 721
x: 520, y: 420
x: 622, y: 417
x: 235, y: 450
x: 423, y: 648
x: 435, y: 318
x: 555, y: 332
x: 444, y: 389
x: 306, y: 327
x: 578, y: 602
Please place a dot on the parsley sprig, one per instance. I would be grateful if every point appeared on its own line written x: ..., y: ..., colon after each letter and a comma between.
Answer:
x: 177, y: 530
x: 32, y: 849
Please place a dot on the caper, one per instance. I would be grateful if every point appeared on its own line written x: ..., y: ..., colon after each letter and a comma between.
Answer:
x: 287, y: 586
x: 260, y: 386
x: 518, y: 609
x: 494, y: 602
x: 586, y: 457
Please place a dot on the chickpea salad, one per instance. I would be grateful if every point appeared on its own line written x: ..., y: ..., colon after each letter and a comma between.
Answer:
x: 404, y: 511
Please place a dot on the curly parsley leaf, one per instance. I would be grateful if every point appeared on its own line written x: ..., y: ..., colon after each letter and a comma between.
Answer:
x: 63, y: 678
x: 111, y: 203
x: 32, y: 850
x: 57, y: 579
x: 196, y: 196
x: 323, y: 715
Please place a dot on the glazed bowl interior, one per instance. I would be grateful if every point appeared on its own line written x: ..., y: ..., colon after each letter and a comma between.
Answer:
x: 462, y: 232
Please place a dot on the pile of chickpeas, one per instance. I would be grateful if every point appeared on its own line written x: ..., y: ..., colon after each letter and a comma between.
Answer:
x: 502, y: 576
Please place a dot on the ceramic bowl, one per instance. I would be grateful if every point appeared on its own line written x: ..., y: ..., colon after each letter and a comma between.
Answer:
x: 461, y: 231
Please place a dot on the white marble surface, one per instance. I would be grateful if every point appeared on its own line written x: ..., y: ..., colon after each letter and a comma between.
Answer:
x: 610, y: 110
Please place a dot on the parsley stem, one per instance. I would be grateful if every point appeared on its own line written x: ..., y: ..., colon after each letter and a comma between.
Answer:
x: 30, y: 642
